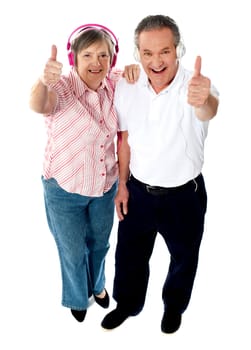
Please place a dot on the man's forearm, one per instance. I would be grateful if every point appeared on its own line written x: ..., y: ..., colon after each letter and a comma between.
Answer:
x: 209, y: 110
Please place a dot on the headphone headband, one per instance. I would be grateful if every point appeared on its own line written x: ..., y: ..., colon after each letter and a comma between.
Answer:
x: 93, y: 26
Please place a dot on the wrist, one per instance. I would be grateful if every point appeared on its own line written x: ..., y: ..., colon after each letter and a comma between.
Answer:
x: 122, y: 182
x: 42, y: 82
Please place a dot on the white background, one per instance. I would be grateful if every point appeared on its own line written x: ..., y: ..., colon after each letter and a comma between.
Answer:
x: 31, y: 316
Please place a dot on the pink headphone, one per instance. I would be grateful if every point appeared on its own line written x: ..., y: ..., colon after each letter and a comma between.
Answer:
x: 93, y: 26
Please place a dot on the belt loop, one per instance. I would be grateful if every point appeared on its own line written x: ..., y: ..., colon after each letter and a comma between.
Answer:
x: 196, y: 185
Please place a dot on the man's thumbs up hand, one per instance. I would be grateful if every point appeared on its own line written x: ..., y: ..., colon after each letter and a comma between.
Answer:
x: 199, y: 86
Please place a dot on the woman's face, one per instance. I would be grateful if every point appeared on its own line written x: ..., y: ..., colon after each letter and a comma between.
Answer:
x: 93, y: 64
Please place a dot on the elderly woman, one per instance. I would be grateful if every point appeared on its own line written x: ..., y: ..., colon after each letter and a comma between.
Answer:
x: 80, y: 166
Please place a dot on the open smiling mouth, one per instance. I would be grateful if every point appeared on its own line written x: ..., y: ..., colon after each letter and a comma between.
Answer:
x: 159, y: 70
x: 95, y: 71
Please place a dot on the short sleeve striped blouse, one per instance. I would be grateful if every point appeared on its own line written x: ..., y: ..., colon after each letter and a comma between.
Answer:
x: 80, y: 150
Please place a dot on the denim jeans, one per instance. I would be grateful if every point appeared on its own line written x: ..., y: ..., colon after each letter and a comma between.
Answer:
x: 81, y: 227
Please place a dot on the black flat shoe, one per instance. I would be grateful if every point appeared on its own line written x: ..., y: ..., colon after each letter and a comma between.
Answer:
x: 170, y: 322
x: 115, y: 318
x: 103, y: 302
x: 79, y: 314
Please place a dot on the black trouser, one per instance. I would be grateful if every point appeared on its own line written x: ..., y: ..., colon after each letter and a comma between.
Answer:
x: 178, y: 215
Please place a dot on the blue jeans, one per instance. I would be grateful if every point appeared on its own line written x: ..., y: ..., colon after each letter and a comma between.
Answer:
x: 81, y: 227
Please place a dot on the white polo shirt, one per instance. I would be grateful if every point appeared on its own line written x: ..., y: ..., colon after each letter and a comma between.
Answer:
x: 165, y: 136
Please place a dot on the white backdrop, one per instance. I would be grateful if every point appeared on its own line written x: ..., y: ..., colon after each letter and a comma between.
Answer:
x: 31, y: 315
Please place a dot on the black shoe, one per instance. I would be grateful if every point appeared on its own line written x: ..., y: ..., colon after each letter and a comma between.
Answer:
x: 170, y: 322
x: 103, y: 302
x: 79, y: 314
x: 115, y: 318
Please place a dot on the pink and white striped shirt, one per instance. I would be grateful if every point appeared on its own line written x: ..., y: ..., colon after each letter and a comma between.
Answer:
x: 80, y: 150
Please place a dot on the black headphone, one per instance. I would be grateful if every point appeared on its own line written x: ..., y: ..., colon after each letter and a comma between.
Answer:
x: 93, y: 26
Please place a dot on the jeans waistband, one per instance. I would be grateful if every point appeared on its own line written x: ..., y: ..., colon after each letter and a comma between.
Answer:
x: 158, y: 191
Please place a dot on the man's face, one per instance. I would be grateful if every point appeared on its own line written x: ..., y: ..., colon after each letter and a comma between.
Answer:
x: 158, y: 57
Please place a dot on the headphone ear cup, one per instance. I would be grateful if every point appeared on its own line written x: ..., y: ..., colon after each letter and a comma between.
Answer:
x: 180, y: 50
x: 136, y: 54
x: 71, y: 58
x: 115, y: 55
x: 114, y: 60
